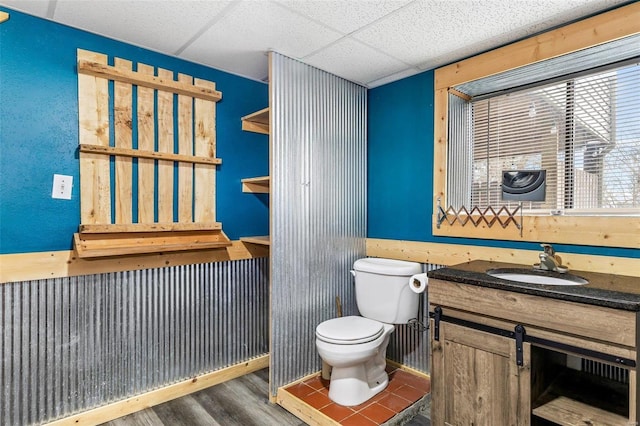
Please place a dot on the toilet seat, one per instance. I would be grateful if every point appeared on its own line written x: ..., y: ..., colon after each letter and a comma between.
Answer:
x: 351, y: 330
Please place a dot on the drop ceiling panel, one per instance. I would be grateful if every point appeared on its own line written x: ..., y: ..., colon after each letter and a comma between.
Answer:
x: 368, y: 41
x: 33, y: 7
x: 160, y: 25
x: 247, y: 32
x: 343, y: 16
x: 352, y: 60
x: 407, y: 72
x: 429, y: 34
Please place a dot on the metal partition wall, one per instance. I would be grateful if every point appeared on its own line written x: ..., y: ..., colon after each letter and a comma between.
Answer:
x: 318, y: 207
x: 410, y: 345
x: 71, y: 344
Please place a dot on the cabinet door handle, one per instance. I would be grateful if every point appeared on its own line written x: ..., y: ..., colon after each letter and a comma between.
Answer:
x: 436, y: 323
x: 520, y: 331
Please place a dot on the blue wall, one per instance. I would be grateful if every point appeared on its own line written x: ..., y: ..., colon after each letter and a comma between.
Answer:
x: 39, y: 134
x: 400, y: 159
x: 400, y: 167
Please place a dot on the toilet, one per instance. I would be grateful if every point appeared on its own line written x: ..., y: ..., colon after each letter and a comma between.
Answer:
x: 355, y: 346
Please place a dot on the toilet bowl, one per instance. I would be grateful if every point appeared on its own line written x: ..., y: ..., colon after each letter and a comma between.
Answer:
x: 355, y: 347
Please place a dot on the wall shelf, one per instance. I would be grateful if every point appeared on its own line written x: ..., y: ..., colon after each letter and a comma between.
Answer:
x: 91, y: 245
x: 263, y: 240
x: 259, y: 185
x: 575, y: 397
x: 257, y: 122
x: 108, y: 226
x: 563, y: 410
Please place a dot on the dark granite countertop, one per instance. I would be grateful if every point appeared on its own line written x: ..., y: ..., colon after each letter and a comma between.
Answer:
x: 608, y: 290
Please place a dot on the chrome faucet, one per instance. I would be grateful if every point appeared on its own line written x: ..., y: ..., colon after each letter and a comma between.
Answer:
x: 550, y: 261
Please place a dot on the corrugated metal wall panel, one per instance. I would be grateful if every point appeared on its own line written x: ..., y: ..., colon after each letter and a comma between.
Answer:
x: 70, y: 344
x: 410, y: 346
x: 459, y: 153
x: 318, y: 207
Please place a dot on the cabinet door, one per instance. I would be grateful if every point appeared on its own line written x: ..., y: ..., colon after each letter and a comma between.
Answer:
x: 475, y: 379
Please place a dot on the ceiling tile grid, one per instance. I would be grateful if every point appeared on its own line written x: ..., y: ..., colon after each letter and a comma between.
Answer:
x: 353, y: 60
x: 34, y: 7
x: 253, y: 28
x: 155, y: 25
x: 345, y: 16
x: 371, y: 42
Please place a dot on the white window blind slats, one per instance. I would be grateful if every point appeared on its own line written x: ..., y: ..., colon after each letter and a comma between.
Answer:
x: 584, y: 131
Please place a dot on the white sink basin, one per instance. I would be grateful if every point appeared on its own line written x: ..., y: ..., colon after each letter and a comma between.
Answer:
x: 533, y: 277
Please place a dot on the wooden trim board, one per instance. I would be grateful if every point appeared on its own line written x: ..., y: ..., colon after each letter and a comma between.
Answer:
x: 158, y: 396
x: 616, y: 231
x: 264, y: 240
x: 408, y: 369
x: 153, y: 155
x: 593, y: 31
x: 452, y: 254
x: 303, y: 411
x: 66, y: 263
x: 93, y: 119
x: 96, y: 69
x: 127, y: 243
x: 150, y: 227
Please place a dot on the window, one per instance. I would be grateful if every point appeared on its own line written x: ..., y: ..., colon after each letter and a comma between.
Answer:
x: 566, y: 101
x: 584, y: 131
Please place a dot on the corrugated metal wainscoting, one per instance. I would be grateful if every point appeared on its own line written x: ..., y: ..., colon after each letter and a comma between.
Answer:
x: 318, y: 207
x: 71, y: 344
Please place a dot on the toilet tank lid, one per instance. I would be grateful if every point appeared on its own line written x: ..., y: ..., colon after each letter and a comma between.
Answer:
x: 378, y: 265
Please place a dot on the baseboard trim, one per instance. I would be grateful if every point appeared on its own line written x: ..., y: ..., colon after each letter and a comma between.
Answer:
x: 302, y: 410
x: 140, y: 402
x: 409, y: 369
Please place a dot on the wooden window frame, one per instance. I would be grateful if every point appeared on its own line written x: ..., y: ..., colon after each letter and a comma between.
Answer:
x: 610, y: 231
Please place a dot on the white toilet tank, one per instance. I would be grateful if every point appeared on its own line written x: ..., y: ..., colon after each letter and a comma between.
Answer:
x: 382, y: 289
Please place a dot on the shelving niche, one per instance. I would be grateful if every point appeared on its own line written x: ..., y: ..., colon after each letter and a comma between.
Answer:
x: 259, y: 185
x: 566, y: 396
x: 257, y: 122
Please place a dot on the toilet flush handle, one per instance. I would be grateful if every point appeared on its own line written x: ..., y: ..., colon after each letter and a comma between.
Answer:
x: 353, y: 272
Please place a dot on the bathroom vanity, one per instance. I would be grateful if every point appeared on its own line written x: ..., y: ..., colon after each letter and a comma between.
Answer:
x: 514, y: 353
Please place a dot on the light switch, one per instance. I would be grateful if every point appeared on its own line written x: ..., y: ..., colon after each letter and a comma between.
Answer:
x: 62, y: 186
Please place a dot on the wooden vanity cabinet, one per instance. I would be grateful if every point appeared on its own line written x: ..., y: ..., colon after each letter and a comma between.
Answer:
x: 481, y: 375
x: 476, y: 380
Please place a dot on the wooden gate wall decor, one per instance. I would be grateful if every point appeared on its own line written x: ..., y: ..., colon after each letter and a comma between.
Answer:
x: 148, y: 184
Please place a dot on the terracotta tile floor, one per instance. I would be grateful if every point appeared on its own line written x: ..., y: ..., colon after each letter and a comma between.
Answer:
x: 403, y: 390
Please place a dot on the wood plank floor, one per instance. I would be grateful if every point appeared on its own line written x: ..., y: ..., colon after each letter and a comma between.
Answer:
x: 239, y: 402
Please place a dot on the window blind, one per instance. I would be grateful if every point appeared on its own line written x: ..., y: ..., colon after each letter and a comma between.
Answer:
x: 584, y: 130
